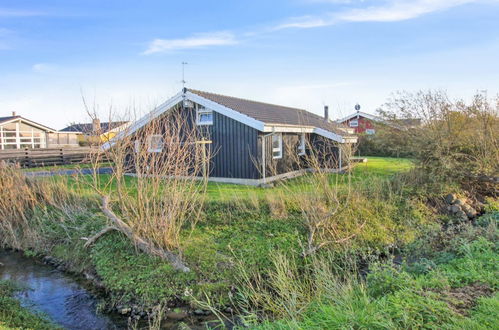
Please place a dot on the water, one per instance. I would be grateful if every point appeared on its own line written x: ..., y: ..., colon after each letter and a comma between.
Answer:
x: 63, y: 299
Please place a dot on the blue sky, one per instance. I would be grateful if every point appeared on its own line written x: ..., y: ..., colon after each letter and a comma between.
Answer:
x: 305, y: 53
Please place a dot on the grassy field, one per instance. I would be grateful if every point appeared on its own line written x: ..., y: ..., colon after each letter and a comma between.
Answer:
x: 375, y: 167
x: 249, y: 234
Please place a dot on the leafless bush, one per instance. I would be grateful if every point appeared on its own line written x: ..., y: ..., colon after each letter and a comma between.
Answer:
x: 326, y: 202
x: 159, y: 178
x: 456, y: 140
x: 20, y: 197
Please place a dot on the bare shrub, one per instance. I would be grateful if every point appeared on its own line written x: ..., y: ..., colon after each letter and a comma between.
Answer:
x: 456, y: 140
x: 159, y: 178
x: 326, y: 204
x: 20, y: 197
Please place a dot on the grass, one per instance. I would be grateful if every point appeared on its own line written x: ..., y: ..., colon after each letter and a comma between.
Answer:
x: 14, y: 316
x: 53, y: 168
x: 241, y: 230
x: 393, y: 298
x: 376, y: 167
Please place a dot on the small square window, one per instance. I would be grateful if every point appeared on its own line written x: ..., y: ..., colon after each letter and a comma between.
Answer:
x: 301, y: 145
x: 277, y: 146
x: 354, y: 123
x: 155, y: 143
x: 204, y: 116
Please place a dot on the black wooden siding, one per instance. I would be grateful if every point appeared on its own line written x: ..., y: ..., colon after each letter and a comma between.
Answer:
x: 324, y: 149
x: 234, y: 149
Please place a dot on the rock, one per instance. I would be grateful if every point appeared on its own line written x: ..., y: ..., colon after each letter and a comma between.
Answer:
x: 470, y: 212
x: 176, y: 315
x: 125, y: 311
x: 460, y: 201
x: 461, y: 216
x: 450, y: 198
x: 455, y: 209
x: 198, y: 312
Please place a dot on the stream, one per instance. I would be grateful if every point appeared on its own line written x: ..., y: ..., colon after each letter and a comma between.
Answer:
x: 63, y: 299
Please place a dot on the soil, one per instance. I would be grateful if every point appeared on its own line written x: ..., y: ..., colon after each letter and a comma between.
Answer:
x: 462, y: 300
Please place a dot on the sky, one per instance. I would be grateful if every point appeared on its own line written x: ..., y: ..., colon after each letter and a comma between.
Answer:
x: 125, y: 56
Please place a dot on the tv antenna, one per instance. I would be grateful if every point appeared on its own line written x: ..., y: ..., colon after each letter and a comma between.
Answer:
x: 183, y: 74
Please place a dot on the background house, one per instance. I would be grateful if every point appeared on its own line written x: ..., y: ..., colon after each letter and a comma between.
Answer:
x: 362, y: 122
x: 96, y: 132
x: 17, y: 132
x: 251, y: 142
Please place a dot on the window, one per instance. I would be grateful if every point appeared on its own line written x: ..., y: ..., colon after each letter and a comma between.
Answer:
x: 370, y: 131
x: 354, y: 123
x: 277, y: 146
x: 155, y: 143
x: 204, y: 116
x: 301, y: 145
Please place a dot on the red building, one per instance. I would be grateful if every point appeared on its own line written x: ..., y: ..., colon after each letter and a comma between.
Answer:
x: 361, y: 122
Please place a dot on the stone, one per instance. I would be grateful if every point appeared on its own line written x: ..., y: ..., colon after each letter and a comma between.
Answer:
x: 125, y: 310
x: 455, y: 209
x: 470, y: 212
x: 176, y: 315
x: 450, y: 198
x: 460, y: 201
x: 461, y: 216
x: 198, y: 312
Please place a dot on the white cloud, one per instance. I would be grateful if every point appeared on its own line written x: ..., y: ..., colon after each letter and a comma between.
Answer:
x: 18, y: 13
x: 42, y: 67
x: 391, y: 11
x: 196, y: 41
x: 400, y: 10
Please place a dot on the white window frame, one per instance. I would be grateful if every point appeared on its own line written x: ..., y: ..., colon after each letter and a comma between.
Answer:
x: 277, y: 149
x: 354, y: 123
x: 302, y: 145
x: 200, y: 110
x: 149, y: 143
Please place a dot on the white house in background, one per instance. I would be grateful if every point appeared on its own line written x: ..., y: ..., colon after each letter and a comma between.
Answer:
x: 17, y: 132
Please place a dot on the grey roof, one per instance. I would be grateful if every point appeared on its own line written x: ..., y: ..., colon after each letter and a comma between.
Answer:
x: 2, y: 119
x: 87, y: 128
x: 271, y: 113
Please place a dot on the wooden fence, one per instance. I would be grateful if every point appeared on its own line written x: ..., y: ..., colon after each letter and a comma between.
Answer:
x: 47, y: 156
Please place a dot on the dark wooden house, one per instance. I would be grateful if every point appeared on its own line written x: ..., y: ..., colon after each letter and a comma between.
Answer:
x: 251, y: 142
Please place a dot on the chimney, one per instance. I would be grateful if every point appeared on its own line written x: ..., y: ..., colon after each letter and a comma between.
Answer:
x: 326, y: 113
x: 96, y: 125
x: 14, y: 114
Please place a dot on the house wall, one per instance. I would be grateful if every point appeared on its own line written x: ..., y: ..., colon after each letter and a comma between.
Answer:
x: 233, y: 147
x: 19, y: 135
x: 325, y: 150
x: 364, y: 124
x: 237, y: 149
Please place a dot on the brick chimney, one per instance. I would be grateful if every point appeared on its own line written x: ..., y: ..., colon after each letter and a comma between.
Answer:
x: 326, y: 113
x: 14, y: 114
x: 96, y: 125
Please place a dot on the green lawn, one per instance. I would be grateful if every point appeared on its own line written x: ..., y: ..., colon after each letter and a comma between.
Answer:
x: 375, y: 167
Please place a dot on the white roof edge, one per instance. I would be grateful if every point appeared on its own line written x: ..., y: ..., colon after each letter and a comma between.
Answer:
x: 231, y: 113
x: 334, y: 136
x: 360, y: 113
x: 145, y: 119
x: 32, y: 123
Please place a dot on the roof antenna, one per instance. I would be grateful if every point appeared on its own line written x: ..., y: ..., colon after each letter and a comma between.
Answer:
x: 183, y: 75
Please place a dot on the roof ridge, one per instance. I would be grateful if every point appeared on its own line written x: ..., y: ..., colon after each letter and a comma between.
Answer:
x: 248, y: 100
